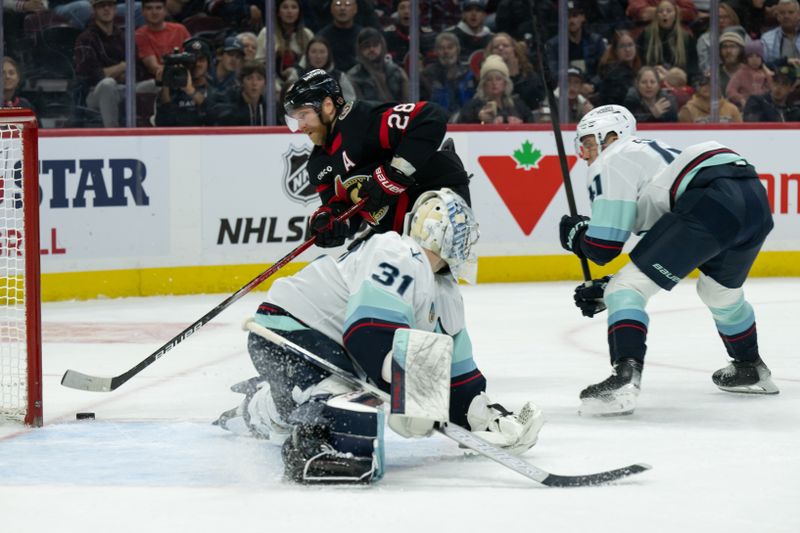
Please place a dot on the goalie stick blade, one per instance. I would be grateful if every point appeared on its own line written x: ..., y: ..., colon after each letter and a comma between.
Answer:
x: 78, y: 380
x: 520, y: 466
x: 555, y: 480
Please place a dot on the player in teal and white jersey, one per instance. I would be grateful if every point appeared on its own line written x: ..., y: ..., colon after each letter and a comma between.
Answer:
x: 703, y: 207
x: 390, y: 299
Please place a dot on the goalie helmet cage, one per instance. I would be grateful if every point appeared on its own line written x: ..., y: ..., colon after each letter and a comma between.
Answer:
x: 20, y: 305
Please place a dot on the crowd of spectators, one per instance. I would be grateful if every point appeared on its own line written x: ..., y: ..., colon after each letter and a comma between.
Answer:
x: 202, y: 62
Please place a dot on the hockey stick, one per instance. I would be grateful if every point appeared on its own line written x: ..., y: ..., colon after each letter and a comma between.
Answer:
x: 452, y: 431
x: 544, y: 69
x: 81, y: 381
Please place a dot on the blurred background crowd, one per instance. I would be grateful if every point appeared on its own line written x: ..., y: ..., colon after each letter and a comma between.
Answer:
x: 207, y: 63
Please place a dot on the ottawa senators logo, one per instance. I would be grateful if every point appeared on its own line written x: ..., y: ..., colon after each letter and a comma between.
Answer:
x: 344, y: 187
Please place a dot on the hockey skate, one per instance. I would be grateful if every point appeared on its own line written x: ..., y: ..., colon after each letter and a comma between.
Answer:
x: 749, y: 377
x: 516, y: 432
x: 616, y: 395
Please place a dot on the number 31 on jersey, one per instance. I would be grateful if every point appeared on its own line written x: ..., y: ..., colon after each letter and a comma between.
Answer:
x: 389, y: 276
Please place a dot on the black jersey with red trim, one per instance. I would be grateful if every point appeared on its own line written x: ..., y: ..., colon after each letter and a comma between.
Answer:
x: 367, y: 134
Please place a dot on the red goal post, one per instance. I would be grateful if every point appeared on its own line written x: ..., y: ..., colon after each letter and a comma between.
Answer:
x: 20, y: 301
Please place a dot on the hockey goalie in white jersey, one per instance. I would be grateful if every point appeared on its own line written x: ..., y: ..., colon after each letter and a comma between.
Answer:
x: 388, y: 310
x: 703, y: 207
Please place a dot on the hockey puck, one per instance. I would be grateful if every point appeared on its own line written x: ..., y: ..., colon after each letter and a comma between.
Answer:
x: 84, y: 416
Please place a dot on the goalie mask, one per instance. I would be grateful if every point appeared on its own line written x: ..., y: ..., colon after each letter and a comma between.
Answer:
x: 601, y: 121
x: 442, y: 222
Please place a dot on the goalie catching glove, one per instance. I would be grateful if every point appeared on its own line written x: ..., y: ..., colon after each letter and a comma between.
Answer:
x: 515, y: 432
x: 589, y: 296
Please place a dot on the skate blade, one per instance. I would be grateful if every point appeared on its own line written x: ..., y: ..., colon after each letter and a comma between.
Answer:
x: 619, y: 405
x: 764, y: 386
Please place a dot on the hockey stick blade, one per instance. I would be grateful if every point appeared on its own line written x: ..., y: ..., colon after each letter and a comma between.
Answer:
x: 78, y: 380
x: 81, y: 381
x: 456, y: 433
x: 473, y: 442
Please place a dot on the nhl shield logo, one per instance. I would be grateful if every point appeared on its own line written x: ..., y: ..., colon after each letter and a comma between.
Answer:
x: 296, y: 184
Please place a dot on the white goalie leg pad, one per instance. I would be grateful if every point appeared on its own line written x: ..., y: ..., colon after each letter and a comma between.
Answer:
x: 516, y: 432
x: 418, y: 368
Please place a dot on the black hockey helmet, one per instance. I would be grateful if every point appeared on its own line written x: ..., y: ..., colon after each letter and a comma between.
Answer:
x: 311, y: 90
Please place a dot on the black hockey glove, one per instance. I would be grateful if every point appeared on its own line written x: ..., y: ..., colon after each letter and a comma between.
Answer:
x: 383, y: 187
x: 328, y: 231
x: 571, y: 230
x: 589, y: 296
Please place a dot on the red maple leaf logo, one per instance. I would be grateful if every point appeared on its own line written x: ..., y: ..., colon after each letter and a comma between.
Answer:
x: 526, y: 184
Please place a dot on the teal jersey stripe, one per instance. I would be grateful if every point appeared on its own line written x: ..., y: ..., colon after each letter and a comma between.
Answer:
x: 607, y: 234
x: 612, y: 218
x: 719, y: 159
x: 734, y: 319
x: 462, y: 354
x: 279, y: 322
x: 379, y: 313
x: 626, y: 300
x: 373, y: 302
x: 629, y: 314
x: 462, y: 367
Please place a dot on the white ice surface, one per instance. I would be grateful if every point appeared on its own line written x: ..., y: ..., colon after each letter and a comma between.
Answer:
x: 152, y: 462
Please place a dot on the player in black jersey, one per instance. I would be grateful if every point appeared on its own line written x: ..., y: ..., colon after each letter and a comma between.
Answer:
x: 387, y: 153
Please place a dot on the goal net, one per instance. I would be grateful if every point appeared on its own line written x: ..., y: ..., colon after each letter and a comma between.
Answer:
x: 20, y: 322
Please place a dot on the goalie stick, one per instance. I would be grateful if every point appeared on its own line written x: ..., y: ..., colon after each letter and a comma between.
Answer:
x: 81, y: 381
x: 457, y: 433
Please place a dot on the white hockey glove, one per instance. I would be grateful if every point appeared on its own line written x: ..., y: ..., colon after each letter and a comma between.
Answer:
x: 418, y: 368
x: 264, y: 418
x: 257, y: 415
x: 516, y: 432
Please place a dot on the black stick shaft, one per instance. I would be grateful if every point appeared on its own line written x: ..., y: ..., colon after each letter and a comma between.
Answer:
x: 544, y: 68
x: 86, y: 382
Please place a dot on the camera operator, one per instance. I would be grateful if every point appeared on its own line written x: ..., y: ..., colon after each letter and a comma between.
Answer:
x: 185, y: 88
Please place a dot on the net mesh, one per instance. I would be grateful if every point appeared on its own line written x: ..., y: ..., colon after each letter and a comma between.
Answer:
x: 13, y: 341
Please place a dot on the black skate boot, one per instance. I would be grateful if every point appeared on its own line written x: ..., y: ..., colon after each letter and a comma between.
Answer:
x: 750, y: 377
x: 616, y: 395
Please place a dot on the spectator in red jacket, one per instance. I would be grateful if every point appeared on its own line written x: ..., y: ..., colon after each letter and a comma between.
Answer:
x: 156, y: 39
